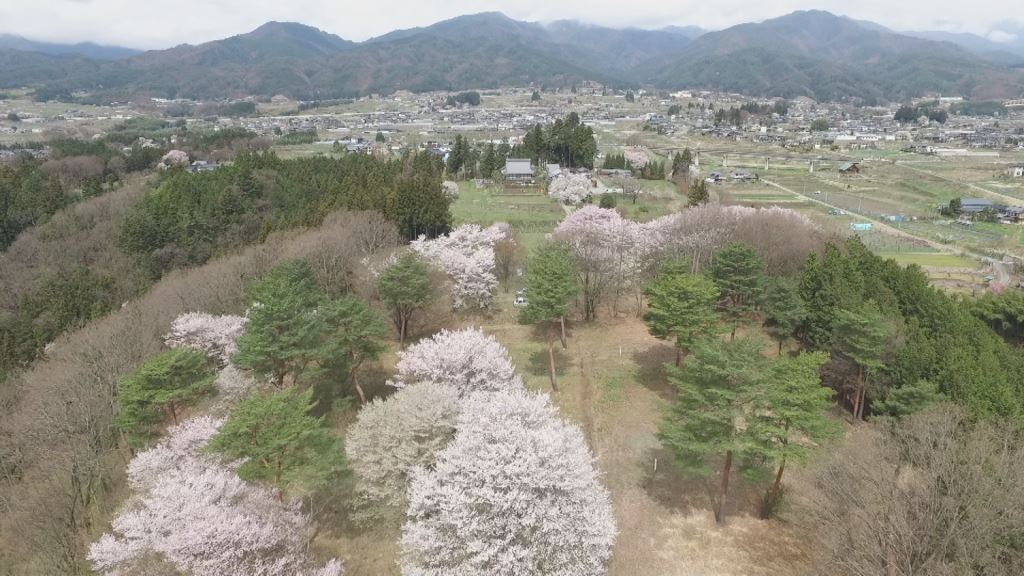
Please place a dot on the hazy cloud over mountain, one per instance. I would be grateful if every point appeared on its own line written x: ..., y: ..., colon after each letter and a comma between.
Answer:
x: 164, y: 23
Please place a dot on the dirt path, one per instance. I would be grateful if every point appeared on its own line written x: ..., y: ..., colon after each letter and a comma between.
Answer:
x: 587, y: 403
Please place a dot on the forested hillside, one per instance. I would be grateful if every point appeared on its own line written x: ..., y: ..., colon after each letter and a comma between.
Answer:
x: 812, y: 54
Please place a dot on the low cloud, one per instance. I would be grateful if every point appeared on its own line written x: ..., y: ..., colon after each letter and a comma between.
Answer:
x: 1001, y: 37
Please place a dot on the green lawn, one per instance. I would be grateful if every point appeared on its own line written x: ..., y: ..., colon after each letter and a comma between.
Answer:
x: 934, y: 260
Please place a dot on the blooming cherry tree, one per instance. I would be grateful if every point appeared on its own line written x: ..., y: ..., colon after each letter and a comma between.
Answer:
x: 468, y: 360
x: 213, y: 335
x: 466, y: 255
x: 395, y: 435
x: 515, y: 493
x: 607, y: 248
x: 636, y: 156
x: 201, y: 517
x: 571, y: 188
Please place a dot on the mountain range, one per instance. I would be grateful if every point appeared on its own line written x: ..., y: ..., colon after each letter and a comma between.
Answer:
x: 810, y: 53
x: 85, y: 49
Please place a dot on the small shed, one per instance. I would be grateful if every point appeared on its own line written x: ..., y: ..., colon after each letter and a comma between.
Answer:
x: 554, y: 170
x: 849, y: 168
x: 1016, y: 171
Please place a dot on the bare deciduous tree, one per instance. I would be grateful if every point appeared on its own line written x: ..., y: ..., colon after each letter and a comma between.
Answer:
x: 933, y: 494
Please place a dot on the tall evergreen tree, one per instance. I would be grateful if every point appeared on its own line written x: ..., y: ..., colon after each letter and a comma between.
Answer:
x: 280, y: 336
x: 784, y: 310
x: 551, y: 286
x: 715, y: 386
x: 161, y: 385
x: 405, y: 288
x: 791, y: 415
x: 353, y: 334
x: 739, y: 275
x: 280, y: 441
x: 681, y: 306
x: 861, y: 336
x: 698, y: 193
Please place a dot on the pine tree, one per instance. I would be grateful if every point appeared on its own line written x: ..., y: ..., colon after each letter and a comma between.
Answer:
x: 861, y: 336
x: 161, y: 385
x: 681, y: 306
x: 791, y: 413
x: 739, y: 275
x: 405, y: 288
x: 715, y: 385
x: 353, y: 334
x: 551, y: 286
x: 784, y: 310
x: 698, y: 193
x: 489, y: 161
x: 280, y: 441
x: 280, y: 336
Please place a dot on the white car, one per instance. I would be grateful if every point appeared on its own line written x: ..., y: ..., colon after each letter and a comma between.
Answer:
x: 520, y: 301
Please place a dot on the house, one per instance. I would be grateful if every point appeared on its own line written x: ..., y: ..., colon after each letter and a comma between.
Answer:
x: 202, y: 166
x: 1016, y: 171
x: 849, y: 168
x: 975, y: 205
x: 554, y: 170
x: 518, y: 170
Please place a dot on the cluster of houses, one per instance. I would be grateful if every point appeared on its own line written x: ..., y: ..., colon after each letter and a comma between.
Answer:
x: 975, y: 208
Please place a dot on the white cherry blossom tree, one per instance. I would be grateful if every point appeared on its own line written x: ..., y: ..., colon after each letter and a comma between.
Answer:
x: 213, y: 335
x: 571, y: 188
x: 395, y: 435
x: 468, y: 360
x: 201, y: 517
x: 515, y: 493
x: 466, y: 255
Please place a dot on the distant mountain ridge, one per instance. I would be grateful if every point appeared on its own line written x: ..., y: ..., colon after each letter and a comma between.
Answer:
x: 82, y: 49
x: 808, y: 53
x: 817, y: 54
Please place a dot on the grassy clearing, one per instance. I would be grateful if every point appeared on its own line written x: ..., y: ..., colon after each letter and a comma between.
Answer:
x: 934, y: 260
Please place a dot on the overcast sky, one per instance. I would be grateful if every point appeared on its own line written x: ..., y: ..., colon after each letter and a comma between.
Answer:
x: 164, y: 23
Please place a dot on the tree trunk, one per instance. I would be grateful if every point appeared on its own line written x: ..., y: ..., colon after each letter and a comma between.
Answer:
x: 174, y: 413
x: 401, y: 333
x: 723, y: 491
x: 857, y: 394
x: 773, y: 493
x: 354, y: 376
x: 561, y: 321
x: 679, y: 356
x: 551, y: 360
x: 863, y: 397
x: 780, y: 347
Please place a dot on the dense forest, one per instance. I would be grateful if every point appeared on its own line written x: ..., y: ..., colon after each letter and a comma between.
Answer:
x: 188, y: 218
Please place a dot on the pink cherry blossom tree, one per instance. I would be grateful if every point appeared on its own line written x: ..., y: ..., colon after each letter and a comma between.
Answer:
x: 468, y: 360
x: 515, y: 492
x: 466, y: 255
